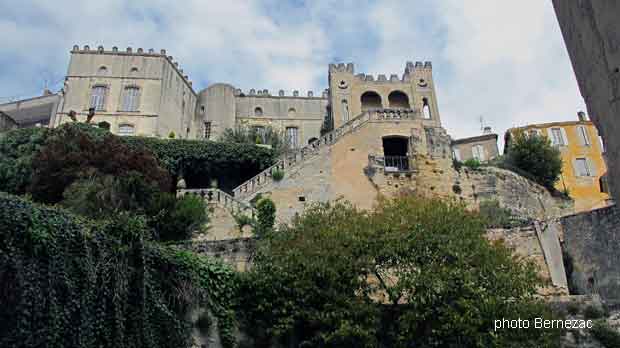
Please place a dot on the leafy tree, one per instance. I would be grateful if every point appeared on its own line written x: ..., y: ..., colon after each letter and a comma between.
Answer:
x: 266, y: 217
x: 415, y: 272
x: 71, y: 154
x: 17, y: 149
x: 534, y: 155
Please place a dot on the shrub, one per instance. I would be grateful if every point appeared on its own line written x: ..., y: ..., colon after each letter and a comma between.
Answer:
x: 17, y: 150
x: 592, y: 312
x: 572, y: 308
x: 103, y: 125
x: 266, y: 217
x: 68, y: 281
x: 176, y: 219
x: 71, y: 153
x: 277, y: 174
x: 606, y: 335
x: 171, y: 135
x: 535, y: 155
x: 472, y: 163
x: 415, y: 272
x: 243, y: 220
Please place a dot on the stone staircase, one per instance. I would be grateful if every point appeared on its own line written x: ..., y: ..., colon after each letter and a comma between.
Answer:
x: 298, y: 156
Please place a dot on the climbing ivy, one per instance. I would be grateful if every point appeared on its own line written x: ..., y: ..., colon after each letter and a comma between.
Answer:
x: 66, y: 281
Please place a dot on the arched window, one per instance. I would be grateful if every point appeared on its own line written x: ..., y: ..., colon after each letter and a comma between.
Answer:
x: 102, y: 71
x: 292, y: 113
x: 133, y: 70
x: 131, y: 98
x: 258, y: 112
x: 126, y: 129
x: 398, y: 99
x: 426, y: 109
x: 345, y: 111
x: 371, y: 100
x: 97, y: 97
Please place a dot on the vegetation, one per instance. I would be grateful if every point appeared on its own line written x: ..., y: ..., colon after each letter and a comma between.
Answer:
x: 413, y: 273
x: 277, y: 174
x: 606, y: 335
x: 535, y: 156
x: 472, y: 163
x: 70, y: 282
x: 495, y: 216
x: 592, y: 312
x: 17, y: 150
x: 266, y: 217
x: 252, y: 135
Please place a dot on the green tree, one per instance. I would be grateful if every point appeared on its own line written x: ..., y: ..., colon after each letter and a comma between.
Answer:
x: 536, y: 157
x: 252, y: 135
x: 266, y: 217
x: 415, y: 272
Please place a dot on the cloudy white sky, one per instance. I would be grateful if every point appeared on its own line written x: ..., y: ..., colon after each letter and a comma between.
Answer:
x: 504, y: 61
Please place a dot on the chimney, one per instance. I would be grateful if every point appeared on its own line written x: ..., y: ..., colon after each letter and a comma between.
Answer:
x: 582, y: 116
x: 487, y: 130
x: 47, y: 92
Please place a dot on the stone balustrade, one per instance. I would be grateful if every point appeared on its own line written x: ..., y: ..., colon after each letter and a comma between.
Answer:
x: 395, y: 164
x: 221, y: 198
x: 299, y: 155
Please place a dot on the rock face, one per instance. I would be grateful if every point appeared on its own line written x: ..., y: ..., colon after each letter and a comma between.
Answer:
x: 592, y: 242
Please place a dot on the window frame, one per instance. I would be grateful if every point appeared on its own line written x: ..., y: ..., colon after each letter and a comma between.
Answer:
x: 289, y: 138
x: 134, y: 104
x: 98, y: 101
x: 586, y: 167
x: 126, y: 125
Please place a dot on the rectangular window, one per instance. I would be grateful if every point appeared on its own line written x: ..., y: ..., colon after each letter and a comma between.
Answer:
x: 131, y: 97
x: 457, y: 154
x: 477, y: 152
x: 583, y: 136
x: 207, y: 130
x: 97, y: 98
x: 126, y: 129
x: 581, y: 167
x: 292, y: 136
x: 557, y: 137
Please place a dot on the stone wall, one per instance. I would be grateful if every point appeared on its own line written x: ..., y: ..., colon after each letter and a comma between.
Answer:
x: 234, y: 252
x: 592, y: 32
x: 591, y: 240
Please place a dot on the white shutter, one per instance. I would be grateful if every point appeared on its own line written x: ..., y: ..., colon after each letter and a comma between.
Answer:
x: 550, y: 135
x: 564, y: 136
x: 481, y: 153
x: 591, y: 167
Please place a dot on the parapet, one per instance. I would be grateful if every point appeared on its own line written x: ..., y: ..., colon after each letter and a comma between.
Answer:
x: 410, y: 68
x: 129, y: 51
x: 341, y: 67
x: 281, y: 93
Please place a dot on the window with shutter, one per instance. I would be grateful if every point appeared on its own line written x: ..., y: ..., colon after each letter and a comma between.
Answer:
x: 291, y: 136
x: 581, y: 167
x: 582, y: 133
x: 457, y: 154
x: 97, y: 98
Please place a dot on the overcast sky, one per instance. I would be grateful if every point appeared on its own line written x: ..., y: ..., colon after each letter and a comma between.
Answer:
x: 502, y: 60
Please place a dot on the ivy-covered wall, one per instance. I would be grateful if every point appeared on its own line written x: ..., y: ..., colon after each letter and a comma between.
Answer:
x: 66, y: 281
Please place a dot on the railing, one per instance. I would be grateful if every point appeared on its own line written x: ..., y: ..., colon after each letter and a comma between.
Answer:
x: 402, y: 164
x: 299, y: 155
x: 221, y: 198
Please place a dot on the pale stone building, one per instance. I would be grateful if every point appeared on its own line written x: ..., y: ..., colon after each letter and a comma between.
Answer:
x: 482, y: 147
x: 137, y: 92
x: 32, y: 112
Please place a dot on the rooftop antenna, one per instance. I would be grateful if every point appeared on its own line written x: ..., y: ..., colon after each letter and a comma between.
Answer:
x: 481, y: 120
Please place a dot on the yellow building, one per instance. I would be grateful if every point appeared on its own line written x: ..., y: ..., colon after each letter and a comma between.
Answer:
x: 583, y: 168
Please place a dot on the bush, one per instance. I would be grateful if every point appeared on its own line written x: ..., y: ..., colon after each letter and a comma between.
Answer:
x: 535, y: 155
x: 606, y: 335
x: 592, y: 312
x: 472, y: 164
x: 72, y: 282
x: 104, y: 125
x: 17, y: 150
x: 415, y: 272
x: 572, y: 308
x: 266, y: 217
x: 277, y: 174
x: 72, y: 154
x: 176, y: 219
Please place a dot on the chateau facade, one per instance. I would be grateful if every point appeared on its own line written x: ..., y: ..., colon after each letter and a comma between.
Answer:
x: 146, y: 93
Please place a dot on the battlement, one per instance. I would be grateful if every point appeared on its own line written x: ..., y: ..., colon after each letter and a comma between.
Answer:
x: 130, y: 52
x: 410, y: 69
x: 281, y: 94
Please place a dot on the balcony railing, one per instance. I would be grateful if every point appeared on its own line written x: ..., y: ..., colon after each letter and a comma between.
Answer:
x: 392, y: 163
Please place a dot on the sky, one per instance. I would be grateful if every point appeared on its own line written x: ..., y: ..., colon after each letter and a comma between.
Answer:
x: 504, y: 62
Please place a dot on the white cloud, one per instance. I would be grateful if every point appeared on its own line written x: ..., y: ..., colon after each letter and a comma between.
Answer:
x: 503, y: 60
